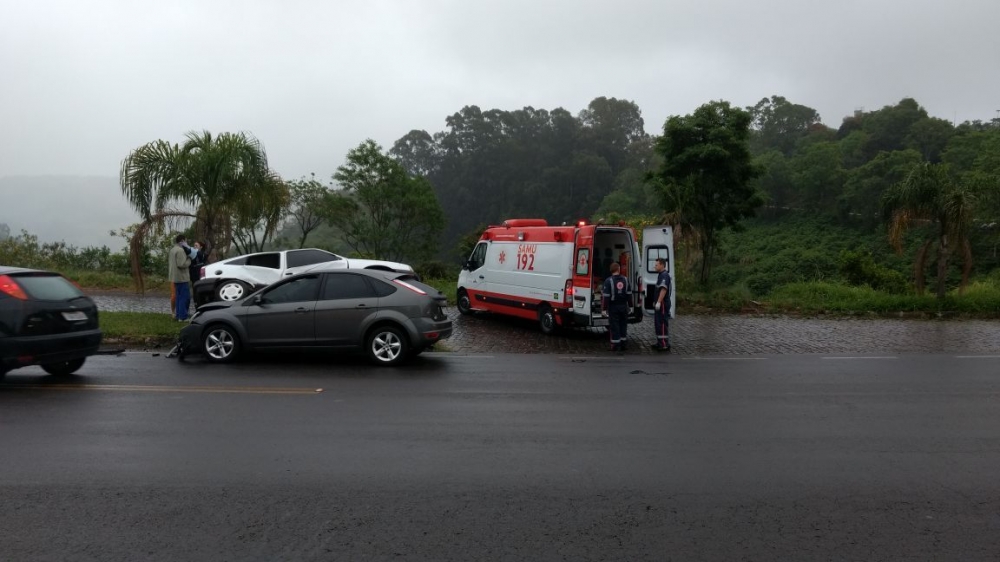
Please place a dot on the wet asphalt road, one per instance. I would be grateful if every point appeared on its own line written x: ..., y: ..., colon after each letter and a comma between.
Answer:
x: 696, y: 334
x: 505, y: 457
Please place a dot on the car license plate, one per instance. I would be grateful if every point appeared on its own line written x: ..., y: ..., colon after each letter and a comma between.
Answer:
x: 601, y: 322
x: 75, y: 316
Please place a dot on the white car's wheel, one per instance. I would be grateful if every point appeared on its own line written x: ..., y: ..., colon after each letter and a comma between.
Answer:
x: 230, y: 291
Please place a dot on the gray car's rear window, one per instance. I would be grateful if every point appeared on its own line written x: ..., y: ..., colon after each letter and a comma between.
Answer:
x: 48, y: 287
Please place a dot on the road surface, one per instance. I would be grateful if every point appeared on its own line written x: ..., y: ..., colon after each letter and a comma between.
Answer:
x: 505, y: 457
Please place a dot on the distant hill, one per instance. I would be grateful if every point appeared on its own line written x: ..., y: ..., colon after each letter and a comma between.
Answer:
x: 79, y: 210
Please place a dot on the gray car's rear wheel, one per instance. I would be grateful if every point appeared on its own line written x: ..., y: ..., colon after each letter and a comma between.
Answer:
x: 220, y: 343
x: 63, y: 368
x: 386, y: 345
x: 229, y: 291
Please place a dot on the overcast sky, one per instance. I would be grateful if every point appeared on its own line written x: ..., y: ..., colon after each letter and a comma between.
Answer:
x: 84, y: 82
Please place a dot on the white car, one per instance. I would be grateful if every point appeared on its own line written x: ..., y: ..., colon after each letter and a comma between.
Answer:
x: 234, y: 278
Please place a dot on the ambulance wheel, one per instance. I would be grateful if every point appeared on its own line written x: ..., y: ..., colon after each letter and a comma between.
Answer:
x: 464, y: 303
x: 547, y: 320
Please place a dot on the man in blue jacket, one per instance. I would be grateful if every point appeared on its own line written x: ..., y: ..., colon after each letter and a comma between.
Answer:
x: 617, y: 299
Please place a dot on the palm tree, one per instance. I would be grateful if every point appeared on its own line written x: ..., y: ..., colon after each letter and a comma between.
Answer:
x: 930, y: 195
x: 212, y: 181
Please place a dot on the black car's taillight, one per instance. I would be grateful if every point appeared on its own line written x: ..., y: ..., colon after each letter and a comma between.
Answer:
x: 10, y: 287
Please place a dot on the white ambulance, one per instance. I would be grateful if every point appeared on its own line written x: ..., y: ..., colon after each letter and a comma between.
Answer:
x: 554, y: 274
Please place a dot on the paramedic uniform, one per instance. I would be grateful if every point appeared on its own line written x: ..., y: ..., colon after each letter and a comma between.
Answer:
x: 661, y: 317
x: 617, y: 299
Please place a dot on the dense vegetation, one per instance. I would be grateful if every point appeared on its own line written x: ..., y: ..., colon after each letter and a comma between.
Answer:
x: 881, y: 202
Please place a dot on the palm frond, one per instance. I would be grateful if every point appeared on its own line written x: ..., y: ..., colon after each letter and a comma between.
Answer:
x: 146, y: 173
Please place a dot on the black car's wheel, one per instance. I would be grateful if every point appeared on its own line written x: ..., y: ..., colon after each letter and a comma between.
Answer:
x: 386, y: 345
x: 230, y: 291
x: 220, y: 343
x: 3, y: 373
x: 63, y: 368
x: 464, y: 303
x: 547, y: 320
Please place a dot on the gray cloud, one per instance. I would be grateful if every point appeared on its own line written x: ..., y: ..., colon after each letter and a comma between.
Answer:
x: 83, y: 83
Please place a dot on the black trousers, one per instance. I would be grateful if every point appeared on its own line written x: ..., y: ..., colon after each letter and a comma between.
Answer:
x: 618, y: 325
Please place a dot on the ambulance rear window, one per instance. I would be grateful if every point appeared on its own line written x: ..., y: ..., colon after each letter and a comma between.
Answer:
x: 654, y: 253
x: 582, y: 261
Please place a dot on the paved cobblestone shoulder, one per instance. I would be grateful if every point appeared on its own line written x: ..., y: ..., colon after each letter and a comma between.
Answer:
x: 696, y: 335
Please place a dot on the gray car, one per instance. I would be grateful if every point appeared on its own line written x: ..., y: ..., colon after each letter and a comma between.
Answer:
x: 390, y: 316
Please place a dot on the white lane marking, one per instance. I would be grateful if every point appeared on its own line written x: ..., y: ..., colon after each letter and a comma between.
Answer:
x: 148, y: 388
x: 724, y: 358
x: 863, y: 357
x: 977, y: 357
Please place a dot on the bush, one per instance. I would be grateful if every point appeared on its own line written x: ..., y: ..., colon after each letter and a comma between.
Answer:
x: 436, y: 270
x: 859, y: 268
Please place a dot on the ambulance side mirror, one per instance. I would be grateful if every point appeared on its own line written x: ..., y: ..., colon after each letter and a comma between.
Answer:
x: 468, y: 265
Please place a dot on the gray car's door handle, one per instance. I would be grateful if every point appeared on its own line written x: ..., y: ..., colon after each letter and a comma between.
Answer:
x: 301, y: 310
x: 481, y: 277
x: 362, y: 305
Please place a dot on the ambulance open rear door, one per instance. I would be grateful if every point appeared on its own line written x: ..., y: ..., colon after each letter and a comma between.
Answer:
x: 657, y: 242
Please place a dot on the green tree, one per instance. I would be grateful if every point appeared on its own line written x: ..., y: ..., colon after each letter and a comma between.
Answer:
x: 307, y: 209
x: 417, y: 152
x: 866, y: 185
x: 889, y: 128
x: 211, y: 180
x: 612, y: 127
x: 776, y: 183
x: 929, y: 193
x: 256, y: 219
x: 632, y: 195
x: 383, y: 212
x: 707, y: 173
x: 819, y: 175
x: 929, y: 136
x: 778, y: 124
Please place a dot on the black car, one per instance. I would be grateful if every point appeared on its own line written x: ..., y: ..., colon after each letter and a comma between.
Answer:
x: 390, y: 316
x: 45, y: 320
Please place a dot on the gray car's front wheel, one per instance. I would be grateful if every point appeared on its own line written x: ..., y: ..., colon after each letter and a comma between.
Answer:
x: 220, y: 343
x: 386, y: 345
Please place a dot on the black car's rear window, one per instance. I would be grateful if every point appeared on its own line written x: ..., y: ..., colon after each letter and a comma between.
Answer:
x: 47, y: 287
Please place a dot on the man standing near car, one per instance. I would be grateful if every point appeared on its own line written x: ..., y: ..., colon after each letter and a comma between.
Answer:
x: 179, y: 276
x: 617, y: 296
x: 661, y: 307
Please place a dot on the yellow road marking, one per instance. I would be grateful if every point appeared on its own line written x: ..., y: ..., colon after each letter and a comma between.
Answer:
x: 144, y: 388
